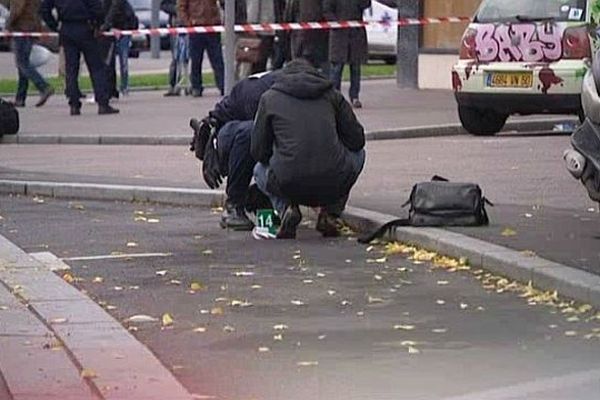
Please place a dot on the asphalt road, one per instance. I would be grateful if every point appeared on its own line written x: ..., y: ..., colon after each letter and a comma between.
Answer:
x: 392, y: 329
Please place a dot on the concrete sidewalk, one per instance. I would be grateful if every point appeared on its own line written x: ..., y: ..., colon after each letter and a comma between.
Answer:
x: 149, y: 114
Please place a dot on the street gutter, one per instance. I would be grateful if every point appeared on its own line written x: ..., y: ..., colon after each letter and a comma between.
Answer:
x: 544, y: 274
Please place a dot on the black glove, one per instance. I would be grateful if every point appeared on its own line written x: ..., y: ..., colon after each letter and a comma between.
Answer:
x: 202, y: 130
x: 210, y: 165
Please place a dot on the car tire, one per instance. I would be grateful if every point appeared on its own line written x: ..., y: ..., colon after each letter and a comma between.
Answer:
x: 481, y: 122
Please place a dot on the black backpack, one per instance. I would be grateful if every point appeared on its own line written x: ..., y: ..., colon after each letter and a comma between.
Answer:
x: 9, y: 118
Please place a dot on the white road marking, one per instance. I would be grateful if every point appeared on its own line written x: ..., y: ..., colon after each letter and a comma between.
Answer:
x: 117, y: 256
x: 526, y: 390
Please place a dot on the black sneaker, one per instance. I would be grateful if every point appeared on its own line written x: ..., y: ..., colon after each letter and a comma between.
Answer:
x: 289, y: 223
x: 327, y: 225
x: 235, y: 218
x: 172, y: 92
x: 107, y: 109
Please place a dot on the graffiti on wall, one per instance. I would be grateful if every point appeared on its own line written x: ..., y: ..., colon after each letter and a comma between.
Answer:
x: 518, y: 42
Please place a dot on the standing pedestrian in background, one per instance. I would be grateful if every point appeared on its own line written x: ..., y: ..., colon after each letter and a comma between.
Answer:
x: 309, y: 44
x: 120, y: 15
x: 80, y: 21
x: 347, y: 46
x: 260, y: 12
x: 179, y: 49
x: 203, y: 13
x: 24, y: 17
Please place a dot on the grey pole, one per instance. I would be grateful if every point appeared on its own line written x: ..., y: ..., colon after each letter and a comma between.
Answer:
x: 229, y: 45
x: 407, y: 71
x: 154, y: 23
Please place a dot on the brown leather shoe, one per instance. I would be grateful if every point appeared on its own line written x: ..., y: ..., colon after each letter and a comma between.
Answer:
x: 44, y: 96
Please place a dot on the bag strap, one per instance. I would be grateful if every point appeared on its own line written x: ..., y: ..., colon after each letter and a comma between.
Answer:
x: 367, y: 238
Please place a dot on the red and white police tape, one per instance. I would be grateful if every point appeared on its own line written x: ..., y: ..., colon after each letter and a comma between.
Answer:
x: 252, y: 28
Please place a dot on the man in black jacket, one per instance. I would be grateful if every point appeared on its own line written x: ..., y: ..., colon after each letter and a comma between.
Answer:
x: 80, y: 21
x: 309, y: 147
x: 232, y: 119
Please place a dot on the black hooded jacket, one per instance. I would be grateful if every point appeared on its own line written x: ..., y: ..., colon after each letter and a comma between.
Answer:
x: 304, y: 130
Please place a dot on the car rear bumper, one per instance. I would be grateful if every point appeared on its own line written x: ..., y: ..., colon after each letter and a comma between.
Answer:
x: 511, y: 103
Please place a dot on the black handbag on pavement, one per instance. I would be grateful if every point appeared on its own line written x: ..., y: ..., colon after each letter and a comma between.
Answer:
x: 440, y: 203
x: 9, y: 118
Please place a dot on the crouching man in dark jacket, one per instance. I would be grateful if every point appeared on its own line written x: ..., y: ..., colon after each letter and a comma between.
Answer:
x: 309, y: 147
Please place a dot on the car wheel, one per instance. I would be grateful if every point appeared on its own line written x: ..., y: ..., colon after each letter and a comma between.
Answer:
x: 481, y: 122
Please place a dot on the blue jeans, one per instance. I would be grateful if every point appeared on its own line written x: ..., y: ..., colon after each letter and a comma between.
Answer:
x: 179, y: 54
x: 235, y: 160
x: 337, y: 69
x: 261, y: 174
x: 211, y: 42
x: 22, y: 48
x: 122, y: 48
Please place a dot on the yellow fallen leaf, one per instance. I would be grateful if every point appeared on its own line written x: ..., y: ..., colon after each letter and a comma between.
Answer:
x: 508, y: 232
x: 374, y: 300
x: 240, y: 303
x: 228, y: 329
x: 196, y: 286
x: 255, y: 287
x: 200, y: 329
x: 263, y: 349
x: 207, y: 252
x: 585, y: 308
x: 132, y: 244
x: 574, y: 318
x: 413, y: 350
x: 280, y: 327
x: 88, y: 373
x: 68, y: 278
x: 98, y: 279
x: 278, y: 337
x: 58, y: 321
x: 571, y: 333
x: 442, y: 283
x: 298, y: 302
x: 167, y: 320
x: 216, y: 311
x: 408, y: 343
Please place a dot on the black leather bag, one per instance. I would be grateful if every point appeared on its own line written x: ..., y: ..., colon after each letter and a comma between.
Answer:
x: 9, y: 118
x: 440, y: 203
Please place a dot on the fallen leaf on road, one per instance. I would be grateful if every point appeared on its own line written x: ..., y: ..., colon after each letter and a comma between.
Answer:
x: 374, y: 300
x: 321, y: 275
x: 240, y: 303
x: 574, y: 318
x: 200, y: 329
x: 255, y: 287
x: 307, y: 363
x: 141, y: 318
x: 118, y: 288
x: 331, y: 292
x: 175, y: 282
x: 98, y: 279
x: 167, y: 320
x: 196, y: 286
x: 216, y: 311
x: 278, y: 337
x: 346, y: 303
x: 58, y: 321
x: 132, y: 244
x: 228, y: 329
x: 298, y: 302
x: 369, y: 249
x: 207, y: 252
x: 222, y: 300
x: 442, y: 283
x: 440, y: 302
x: 3, y: 308
x: 439, y: 330
x: 134, y: 287
x: 280, y: 327
x: 153, y: 220
x: 360, y: 313
x: 377, y: 277
x: 464, y: 306
x: 322, y: 337
x: 308, y: 281
x: 404, y: 327
x: 88, y: 373
x: 508, y: 232
x: 263, y: 349
x: 571, y: 333
x: 162, y: 272
x: 407, y: 343
x: 68, y: 278
x: 413, y: 350
x: 243, y: 274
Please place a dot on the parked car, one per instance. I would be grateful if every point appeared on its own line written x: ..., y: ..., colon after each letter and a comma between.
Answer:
x: 4, y: 41
x: 382, y: 38
x: 143, y: 10
x: 522, y: 57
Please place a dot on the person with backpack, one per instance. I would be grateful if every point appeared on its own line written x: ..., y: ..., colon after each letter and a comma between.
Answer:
x: 24, y: 18
x: 309, y: 148
x: 120, y: 15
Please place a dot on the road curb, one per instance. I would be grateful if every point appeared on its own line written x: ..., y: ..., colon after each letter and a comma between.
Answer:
x: 118, y: 365
x: 544, y: 274
x: 91, y: 191
x: 184, y: 140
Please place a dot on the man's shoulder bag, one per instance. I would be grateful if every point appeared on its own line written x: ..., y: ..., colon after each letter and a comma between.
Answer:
x: 440, y: 203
